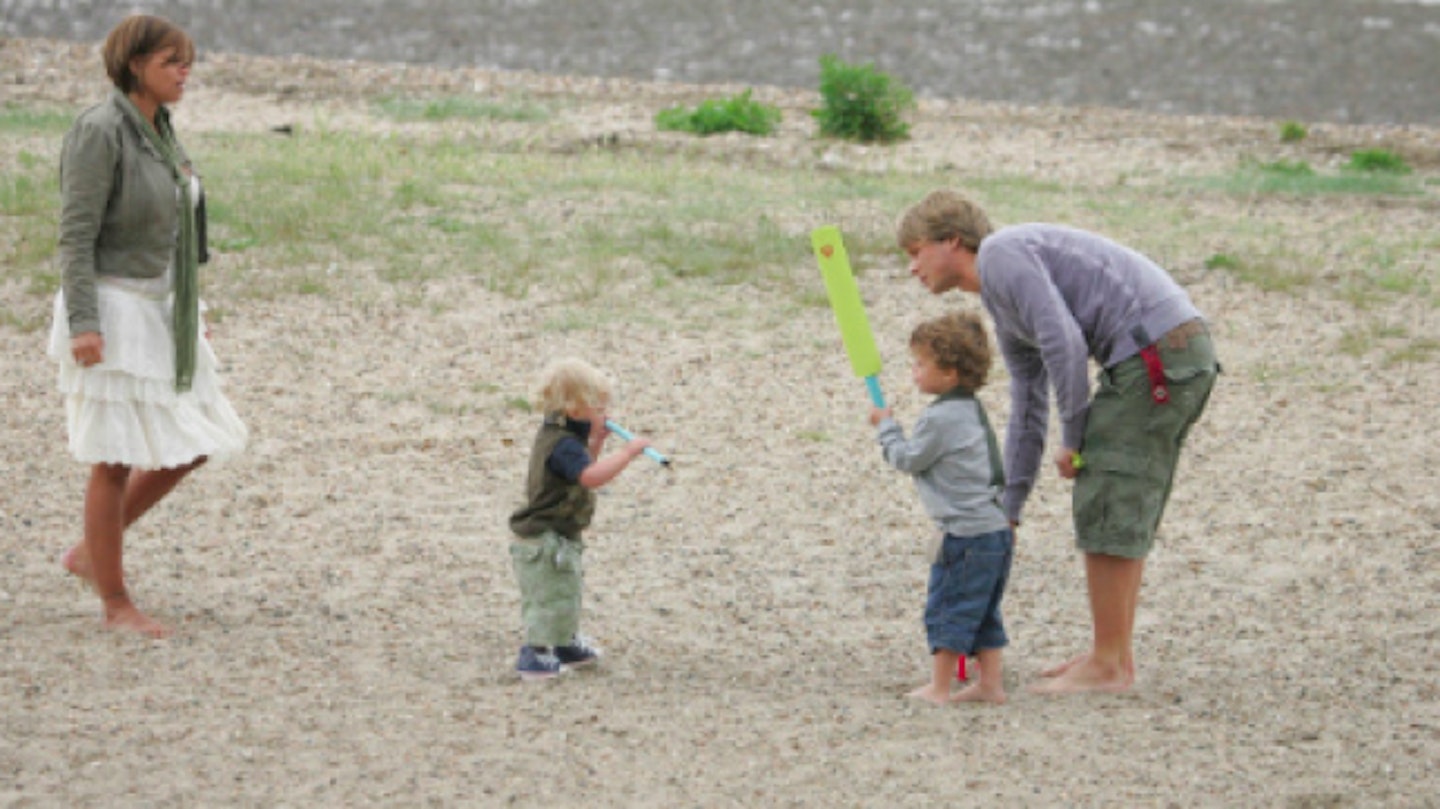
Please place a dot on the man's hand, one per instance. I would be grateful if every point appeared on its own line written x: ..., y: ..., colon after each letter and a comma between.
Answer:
x: 1067, y: 461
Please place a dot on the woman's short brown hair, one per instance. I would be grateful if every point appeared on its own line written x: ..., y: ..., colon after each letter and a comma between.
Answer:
x: 957, y: 340
x: 141, y: 35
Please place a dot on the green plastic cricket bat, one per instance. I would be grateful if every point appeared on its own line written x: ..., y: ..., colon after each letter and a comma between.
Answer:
x: 849, y: 309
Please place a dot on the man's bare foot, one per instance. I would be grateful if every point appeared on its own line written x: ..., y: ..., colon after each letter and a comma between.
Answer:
x: 128, y: 618
x: 1086, y: 676
x: 929, y: 693
x: 77, y: 563
x: 978, y: 692
x: 1060, y: 668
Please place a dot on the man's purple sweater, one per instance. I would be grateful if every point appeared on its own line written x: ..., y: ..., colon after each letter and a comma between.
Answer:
x: 1059, y: 296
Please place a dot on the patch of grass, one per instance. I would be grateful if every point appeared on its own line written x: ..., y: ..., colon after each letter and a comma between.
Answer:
x: 1417, y: 351
x: 237, y: 244
x: 18, y: 119
x: 739, y: 113
x: 1288, y: 168
x: 27, y: 193
x: 1269, y: 274
x: 1362, y: 340
x: 1377, y: 160
x: 1293, y: 132
x: 1395, y: 343
x: 861, y: 103
x: 1387, y: 269
x: 1221, y: 261
x: 468, y: 108
x: 330, y: 213
x: 727, y: 254
x: 1401, y: 282
x: 1300, y: 179
x: 513, y: 221
x: 28, y: 321
x: 29, y: 202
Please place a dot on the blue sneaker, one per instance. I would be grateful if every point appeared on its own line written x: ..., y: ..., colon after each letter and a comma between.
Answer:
x: 578, y: 653
x: 538, y: 663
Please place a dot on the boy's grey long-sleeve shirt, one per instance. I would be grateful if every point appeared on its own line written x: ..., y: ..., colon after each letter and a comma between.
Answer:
x: 1058, y: 297
x: 949, y: 458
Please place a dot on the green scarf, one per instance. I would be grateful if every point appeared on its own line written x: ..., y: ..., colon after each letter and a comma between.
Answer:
x: 185, y: 313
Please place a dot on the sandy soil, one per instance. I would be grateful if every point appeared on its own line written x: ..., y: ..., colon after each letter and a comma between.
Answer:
x: 347, y: 619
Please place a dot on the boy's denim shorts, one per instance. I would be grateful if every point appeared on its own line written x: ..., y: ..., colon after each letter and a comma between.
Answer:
x: 967, y: 582
x: 1132, y: 447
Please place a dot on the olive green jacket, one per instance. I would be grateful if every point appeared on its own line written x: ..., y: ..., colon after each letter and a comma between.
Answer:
x: 117, y: 208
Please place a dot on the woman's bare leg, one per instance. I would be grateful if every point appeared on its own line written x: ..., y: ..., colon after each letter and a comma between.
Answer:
x: 114, y: 499
x: 143, y: 490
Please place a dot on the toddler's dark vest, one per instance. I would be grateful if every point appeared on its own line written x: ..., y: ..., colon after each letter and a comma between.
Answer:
x: 554, y: 504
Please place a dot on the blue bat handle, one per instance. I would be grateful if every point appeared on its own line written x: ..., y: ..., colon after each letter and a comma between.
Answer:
x: 876, y: 397
x: 626, y: 435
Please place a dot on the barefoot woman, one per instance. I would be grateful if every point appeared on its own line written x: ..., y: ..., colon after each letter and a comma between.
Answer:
x: 142, y: 400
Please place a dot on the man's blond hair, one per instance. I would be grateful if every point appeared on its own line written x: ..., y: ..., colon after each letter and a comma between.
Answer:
x: 940, y: 217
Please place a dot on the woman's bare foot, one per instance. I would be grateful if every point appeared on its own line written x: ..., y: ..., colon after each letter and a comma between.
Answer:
x: 77, y: 563
x: 1085, y: 675
x: 980, y: 692
x: 123, y: 615
x: 929, y: 693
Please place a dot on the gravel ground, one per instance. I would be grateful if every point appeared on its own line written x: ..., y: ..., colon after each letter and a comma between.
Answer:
x: 346, y: 616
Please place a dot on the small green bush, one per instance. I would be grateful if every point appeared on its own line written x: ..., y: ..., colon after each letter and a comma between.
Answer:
x: 1293, y: 132
x: 739, y: 113
x: 1378, y: 160
x: 861, y: 103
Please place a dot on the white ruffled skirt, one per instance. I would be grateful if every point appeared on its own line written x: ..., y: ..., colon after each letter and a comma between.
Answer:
x: 125, y: 410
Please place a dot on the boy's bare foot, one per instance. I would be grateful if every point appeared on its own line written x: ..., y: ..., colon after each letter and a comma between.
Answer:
x: 77, y: 563
x: 929, y: 693
x: 123, y: 615
x: 978, y: 692
x: 1086, y: 676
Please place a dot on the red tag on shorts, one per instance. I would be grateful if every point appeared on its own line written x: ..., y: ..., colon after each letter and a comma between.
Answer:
x: 1156, y: 369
